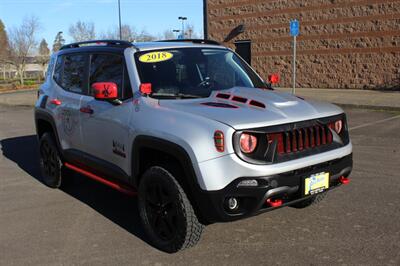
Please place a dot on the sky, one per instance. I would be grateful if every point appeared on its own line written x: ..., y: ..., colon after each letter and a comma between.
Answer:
x: 154, y: 16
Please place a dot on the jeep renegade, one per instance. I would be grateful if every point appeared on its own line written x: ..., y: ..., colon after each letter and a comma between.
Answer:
x: 191, y: 129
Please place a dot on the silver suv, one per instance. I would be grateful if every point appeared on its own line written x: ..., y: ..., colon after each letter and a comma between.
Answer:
x: 191, y: 129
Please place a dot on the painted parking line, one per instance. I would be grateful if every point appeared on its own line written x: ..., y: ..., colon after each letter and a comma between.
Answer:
x: 375, y: 122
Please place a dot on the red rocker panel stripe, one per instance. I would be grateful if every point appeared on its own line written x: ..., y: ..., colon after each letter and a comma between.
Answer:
x: 114, y: 185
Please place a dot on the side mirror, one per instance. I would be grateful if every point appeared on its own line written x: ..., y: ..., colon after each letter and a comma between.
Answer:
x: 274, y: 78
x: 105, y: 90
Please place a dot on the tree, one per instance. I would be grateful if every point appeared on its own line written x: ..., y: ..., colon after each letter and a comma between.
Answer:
x: 82, y: 31
x: 190, y: 32
x: 168, y: 35
x: 22, y: 42
x: 4, y: 48
x: 44, y: 56
x: 144, y: 36
x: 128, y: 33
x: 58, y: 42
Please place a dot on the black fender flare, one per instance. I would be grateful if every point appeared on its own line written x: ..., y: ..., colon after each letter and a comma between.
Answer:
x: 45, y: 116
x: 188, y: 182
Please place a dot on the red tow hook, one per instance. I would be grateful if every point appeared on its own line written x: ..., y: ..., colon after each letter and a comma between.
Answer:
x: 274, y: 202
x: 344, y: 180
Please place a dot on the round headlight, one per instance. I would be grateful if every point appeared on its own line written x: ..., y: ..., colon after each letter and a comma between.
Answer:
x: 338, y: 126
x: 248, y: 143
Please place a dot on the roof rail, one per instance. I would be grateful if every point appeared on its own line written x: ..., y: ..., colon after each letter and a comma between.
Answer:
x: 198, y: 41
x: 113, y: 43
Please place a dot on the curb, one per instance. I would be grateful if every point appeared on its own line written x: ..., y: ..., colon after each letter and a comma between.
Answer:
x: 370, y: 107
x: 17, y: 91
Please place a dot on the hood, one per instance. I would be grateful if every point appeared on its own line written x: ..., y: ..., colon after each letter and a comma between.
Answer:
x: 243, y: 108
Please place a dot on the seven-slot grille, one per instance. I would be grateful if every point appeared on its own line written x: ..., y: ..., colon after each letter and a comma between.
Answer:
x: 302, y: 139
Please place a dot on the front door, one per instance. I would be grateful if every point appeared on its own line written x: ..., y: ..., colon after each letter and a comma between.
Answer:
x: 105, y: 125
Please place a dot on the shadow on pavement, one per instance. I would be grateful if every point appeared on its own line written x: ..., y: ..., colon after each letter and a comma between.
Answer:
x: 117, y: 207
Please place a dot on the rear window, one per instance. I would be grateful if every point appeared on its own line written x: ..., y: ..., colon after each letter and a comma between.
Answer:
x: 70, y: 72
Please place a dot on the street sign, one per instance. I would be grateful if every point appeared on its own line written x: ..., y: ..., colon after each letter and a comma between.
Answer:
x: 294, y: 28
x: 294, y: 31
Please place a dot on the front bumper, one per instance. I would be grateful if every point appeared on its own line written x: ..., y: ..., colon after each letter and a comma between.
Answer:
x: 288, y: 187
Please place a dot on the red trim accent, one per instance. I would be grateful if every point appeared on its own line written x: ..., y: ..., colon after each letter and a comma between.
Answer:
x: 146, y: 88
x: 301, y: 144
x: 117, y: 186
x: 274, y: 78
x: 105, y: 90
x: 222, y: 105
x: 86, y: 110
x: 256, y: 104
x: 55, y: 102
x: 225, y: 96
x: 239, y: 99
x: 274, y: 202
x: 219, y: 140
x: 344, y: 180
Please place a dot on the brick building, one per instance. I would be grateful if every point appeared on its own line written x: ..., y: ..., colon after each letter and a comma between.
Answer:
x: 343, y: 43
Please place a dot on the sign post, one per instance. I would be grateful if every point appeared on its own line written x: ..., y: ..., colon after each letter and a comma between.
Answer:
x: 294, y: 31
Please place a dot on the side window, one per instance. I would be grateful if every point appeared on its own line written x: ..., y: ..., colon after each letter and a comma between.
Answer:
x: 50, y: 66
x: 73, y: 78
x: 110, y: 68
x: 58, y: 70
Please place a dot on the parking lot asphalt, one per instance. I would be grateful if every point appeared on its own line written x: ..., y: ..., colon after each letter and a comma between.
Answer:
x: 90, y: 224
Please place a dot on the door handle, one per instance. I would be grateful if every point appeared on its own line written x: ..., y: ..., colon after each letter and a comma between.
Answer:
x: 86, y: 110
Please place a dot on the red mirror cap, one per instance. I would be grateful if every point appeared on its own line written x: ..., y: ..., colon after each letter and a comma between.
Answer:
x: 146, y: 88
x: 105, y: 90
x: 274, y: 78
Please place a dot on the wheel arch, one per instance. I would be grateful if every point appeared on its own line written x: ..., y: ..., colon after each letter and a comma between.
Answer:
x: 145, y: 147
x: 44, y: 122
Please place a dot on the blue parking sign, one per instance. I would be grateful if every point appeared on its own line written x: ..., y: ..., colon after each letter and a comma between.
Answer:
x: 294, y: 28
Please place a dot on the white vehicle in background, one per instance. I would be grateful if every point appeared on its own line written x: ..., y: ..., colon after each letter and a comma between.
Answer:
x: 189, y: 127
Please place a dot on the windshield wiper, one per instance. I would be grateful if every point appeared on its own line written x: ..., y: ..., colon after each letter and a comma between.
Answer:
x: 175, y: 95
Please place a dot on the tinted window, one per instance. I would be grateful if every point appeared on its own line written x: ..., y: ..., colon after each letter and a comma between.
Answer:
x: 58, y: 70
x: 73, y: 78
x: 110, y: 68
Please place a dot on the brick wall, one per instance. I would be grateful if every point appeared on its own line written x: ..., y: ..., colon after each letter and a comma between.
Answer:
x: 343, y: 43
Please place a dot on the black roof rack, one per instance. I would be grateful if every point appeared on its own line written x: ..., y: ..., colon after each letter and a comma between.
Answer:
x: 197, y: 41
x: 112, y: 43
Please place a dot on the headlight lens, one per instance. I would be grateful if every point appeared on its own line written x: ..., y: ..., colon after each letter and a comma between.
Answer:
x: 337, y: 126
x: 248, y: 143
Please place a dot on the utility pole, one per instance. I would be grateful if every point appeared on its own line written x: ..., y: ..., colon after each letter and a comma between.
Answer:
x: 119, y: 15
x: 183, y: 26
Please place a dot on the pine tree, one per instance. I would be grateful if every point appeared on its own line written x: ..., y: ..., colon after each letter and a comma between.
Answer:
x: 44, y: 56
x: 59, y: 41
x: 4, y: 44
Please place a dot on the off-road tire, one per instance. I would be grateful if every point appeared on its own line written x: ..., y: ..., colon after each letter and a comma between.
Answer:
x: 51, y: 165
x: 165, y: 209
x: 310, y: 201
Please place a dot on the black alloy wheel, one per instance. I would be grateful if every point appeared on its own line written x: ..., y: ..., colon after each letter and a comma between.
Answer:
x: 166, y: 213
x: 50, y: 162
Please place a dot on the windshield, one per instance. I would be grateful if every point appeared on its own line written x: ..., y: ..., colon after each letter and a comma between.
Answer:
x: 194, y: 72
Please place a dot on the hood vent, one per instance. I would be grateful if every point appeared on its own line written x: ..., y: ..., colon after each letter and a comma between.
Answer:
x: 219, y: 105
x: 239, y: 99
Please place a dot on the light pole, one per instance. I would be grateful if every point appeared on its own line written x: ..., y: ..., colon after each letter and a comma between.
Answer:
x: 177, y: 32
x: 183, y: 26
x: 119, y: 15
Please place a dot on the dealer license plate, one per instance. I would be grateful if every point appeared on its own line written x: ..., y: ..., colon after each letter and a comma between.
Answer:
x: 316, y: 183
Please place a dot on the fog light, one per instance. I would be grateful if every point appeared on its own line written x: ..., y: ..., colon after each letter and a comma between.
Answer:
x: 232, y: 203
x: 248, y: 183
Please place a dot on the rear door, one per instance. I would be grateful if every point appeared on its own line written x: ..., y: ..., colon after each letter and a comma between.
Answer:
x: 70, y: 75
x: 105, y: 125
